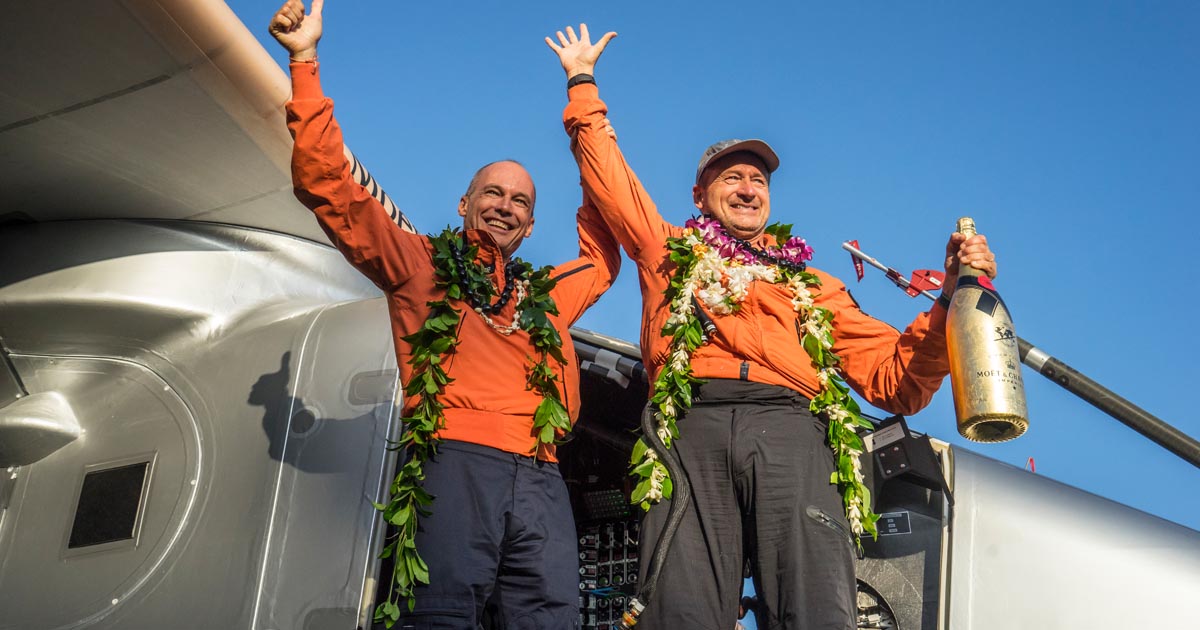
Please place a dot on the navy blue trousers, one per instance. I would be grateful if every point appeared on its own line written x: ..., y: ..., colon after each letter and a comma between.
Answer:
x: 501, y: 536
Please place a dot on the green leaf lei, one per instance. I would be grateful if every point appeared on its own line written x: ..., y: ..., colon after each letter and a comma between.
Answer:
x: 707, y: 259
x: 431, y: 345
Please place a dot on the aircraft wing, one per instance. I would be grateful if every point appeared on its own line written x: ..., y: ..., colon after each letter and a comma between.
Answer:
x: 144, y: 109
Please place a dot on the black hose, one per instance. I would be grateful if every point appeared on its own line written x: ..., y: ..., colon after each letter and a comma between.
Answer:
x: 708, y: 328
x: 681, y: 496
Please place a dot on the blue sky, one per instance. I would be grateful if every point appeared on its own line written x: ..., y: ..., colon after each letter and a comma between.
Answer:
x: 1068, y: 130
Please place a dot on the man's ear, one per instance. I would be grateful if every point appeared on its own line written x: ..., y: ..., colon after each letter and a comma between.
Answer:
x: 462, y: 206
x: 529, y: 228
x: 698, y: 196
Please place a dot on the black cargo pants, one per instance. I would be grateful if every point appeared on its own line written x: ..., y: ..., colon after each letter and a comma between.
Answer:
x: 759, y: 469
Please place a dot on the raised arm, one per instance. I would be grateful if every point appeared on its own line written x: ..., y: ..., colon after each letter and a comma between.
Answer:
x: 323, y: 178
x: 296, y: 32
x: 607, y: 178
x: 577, y: 54
x: 582, y: 281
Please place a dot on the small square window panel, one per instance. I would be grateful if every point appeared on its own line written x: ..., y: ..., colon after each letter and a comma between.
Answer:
x: 109, y: 506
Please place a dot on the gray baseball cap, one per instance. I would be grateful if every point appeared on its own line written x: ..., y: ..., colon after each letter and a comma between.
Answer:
x: 725, y: 147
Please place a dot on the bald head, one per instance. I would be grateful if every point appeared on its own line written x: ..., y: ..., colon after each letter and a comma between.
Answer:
x: 479, y: 173
x: 499, y: 201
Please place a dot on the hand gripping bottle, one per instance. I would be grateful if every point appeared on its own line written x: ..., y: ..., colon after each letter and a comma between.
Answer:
x: 985, y: 367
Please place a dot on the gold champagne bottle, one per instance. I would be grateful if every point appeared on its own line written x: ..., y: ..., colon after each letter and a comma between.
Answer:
x: 985, y: 367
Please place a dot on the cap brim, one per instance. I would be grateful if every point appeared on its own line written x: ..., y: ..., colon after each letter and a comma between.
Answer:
x: 757, y: 147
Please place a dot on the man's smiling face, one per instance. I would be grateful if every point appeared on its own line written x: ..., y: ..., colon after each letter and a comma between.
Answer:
x: 735, y: 190
x: 499, y: 201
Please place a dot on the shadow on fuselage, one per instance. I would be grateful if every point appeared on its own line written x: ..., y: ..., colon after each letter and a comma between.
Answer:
x: 299, y: 434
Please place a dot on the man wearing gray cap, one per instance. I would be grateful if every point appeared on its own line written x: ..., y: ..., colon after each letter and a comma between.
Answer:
x: 751, y: 355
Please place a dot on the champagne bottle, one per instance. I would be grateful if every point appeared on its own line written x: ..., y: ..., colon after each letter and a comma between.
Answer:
x: 985, y: 367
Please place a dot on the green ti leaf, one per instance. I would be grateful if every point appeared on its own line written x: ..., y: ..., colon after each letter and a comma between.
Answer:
x: 781, y: 231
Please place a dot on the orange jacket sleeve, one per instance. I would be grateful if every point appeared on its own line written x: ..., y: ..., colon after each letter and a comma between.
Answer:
x: 582, y: 281
x: 897, y: 372
x: 354, y: 220
x: 609, y: 181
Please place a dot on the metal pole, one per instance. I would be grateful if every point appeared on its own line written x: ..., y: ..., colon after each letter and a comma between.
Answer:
x: 1132, y: 416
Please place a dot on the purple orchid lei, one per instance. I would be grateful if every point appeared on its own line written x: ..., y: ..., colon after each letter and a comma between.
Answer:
x: 794, y: 252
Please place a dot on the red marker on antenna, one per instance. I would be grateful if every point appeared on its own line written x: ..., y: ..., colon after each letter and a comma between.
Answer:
x: 858, y: 264
x: 923, y: 280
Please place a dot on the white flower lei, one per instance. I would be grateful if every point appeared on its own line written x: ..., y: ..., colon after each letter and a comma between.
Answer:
x: 717, y: 271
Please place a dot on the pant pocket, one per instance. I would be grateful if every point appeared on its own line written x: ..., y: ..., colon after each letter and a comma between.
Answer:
x: 831, y: 523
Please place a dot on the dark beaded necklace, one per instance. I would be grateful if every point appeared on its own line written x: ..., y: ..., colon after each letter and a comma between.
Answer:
x: 514, y: 270
x: 768, y: 258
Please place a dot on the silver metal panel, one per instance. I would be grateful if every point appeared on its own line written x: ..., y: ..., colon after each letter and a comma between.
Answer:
x: 143, y: 108
x: 164, y: 168
x: 134, y: 290
x: 34, y: 426
x: 332, y: 456
x: 177, y: 335
x: 123, y: 409
x: 1030, y: 552
x: 58, y: 32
